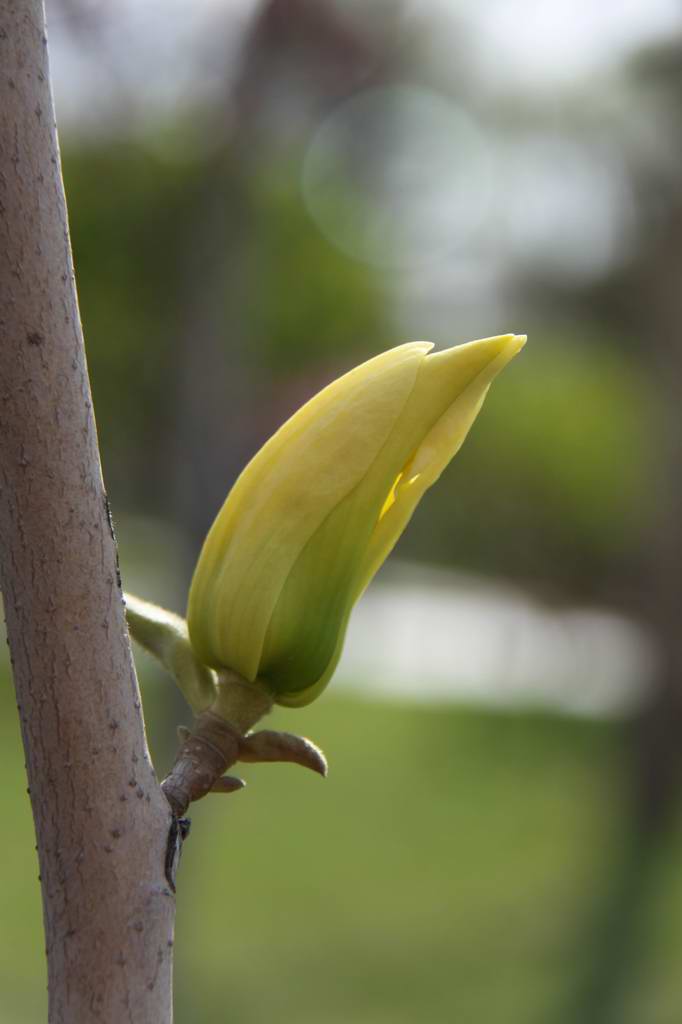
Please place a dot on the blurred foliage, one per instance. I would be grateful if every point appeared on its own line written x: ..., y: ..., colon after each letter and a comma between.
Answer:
x: 314, y: 303
x: 132, y: 214
x: 126, y: 211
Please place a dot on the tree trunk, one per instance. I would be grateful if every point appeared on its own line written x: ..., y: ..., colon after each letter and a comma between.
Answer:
x: 102, y: 822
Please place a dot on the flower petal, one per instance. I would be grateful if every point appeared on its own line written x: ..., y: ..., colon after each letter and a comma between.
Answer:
x: 306, y: 633
x: 296, y: 480
x: 444, y: 439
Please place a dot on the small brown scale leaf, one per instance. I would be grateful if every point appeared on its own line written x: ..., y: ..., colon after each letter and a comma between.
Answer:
x: 214, y: 745
x: 269, y: 745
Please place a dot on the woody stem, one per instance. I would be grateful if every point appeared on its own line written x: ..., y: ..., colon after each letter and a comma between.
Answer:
x: 213, y: 745
x: 210, y: 749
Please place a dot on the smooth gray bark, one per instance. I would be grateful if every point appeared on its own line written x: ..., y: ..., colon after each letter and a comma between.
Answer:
x: 101, y: 819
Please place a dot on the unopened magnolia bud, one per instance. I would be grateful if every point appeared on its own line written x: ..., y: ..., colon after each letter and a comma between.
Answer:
x: 319, y: 508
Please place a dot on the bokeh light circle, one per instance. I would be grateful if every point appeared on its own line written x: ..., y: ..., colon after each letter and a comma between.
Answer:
x: 398, y: 177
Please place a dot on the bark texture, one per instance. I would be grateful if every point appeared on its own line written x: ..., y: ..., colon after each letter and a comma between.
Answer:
x: 101, y: 819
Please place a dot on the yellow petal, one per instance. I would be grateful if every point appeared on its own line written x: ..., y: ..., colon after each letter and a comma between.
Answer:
x: 278, y: 503
x: 306, y: 633
x: 475, y: 365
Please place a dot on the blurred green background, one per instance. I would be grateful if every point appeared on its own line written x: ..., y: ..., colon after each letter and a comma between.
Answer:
x: 261, y: 195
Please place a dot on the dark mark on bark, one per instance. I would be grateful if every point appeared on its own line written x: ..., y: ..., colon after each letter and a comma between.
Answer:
x: 178, y: 832
x: 110, y: 522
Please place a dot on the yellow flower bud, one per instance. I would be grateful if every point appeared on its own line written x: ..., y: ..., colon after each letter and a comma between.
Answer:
x: 318, y: 509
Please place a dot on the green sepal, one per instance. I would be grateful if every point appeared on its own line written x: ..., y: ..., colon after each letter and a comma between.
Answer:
x: 164, y: 634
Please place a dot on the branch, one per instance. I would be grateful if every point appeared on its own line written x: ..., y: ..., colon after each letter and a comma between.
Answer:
x: 101, y: 819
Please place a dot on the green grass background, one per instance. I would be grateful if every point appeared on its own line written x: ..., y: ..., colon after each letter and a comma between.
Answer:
x: 456, y: 866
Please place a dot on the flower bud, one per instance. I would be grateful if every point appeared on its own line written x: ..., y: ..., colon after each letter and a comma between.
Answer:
x: 318, y: 509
